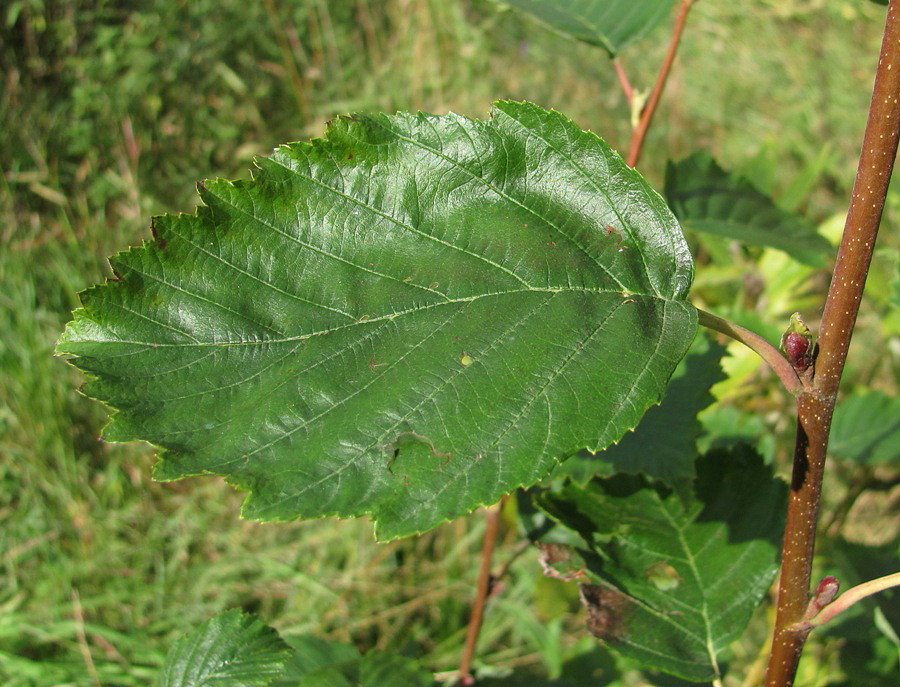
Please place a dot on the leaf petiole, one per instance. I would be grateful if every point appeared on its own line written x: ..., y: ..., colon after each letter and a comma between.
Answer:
x: 779, y: 364
x: 848, y: 599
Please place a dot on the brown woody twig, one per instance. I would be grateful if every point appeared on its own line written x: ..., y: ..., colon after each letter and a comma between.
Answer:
x: 482, y: 593
x: 816, y: 404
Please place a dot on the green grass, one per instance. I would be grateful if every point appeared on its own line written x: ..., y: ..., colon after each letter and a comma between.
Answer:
x: 109, y: 115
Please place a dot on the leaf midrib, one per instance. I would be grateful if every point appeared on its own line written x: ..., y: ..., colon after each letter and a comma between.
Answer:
x: 360, y: 322
x: 704, y: 608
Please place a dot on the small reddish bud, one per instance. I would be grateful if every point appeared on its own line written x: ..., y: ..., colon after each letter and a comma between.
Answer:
x: 826, y: 591
x: 797, y: 344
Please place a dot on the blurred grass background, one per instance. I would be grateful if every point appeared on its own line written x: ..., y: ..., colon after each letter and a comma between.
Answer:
x: 111, y: 112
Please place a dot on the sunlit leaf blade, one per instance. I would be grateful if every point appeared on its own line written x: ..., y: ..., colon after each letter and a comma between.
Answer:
x: 317, y: 663
x: 707, y: 198
x: 672, y: 582
x: 230, y: 650
x: 866, y: 428
x: 663, y: 446
x: 609, y: 24
x: 406, y: 319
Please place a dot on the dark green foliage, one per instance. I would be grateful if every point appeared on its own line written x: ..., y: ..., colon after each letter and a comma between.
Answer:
x: 668, y: 582
x: 317, y: 663
x: 609, y: 24
x: 866, y: 428
x: 707, y: 198
x: 111, y: 111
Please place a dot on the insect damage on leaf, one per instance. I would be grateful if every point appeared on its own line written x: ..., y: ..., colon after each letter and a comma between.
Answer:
x: 560, y: 562
x: 409, y: 443
x: 607, y: 610
x: 663, y: 576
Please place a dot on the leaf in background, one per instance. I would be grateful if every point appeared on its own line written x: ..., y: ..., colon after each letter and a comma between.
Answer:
x: 609, y: 24
x: 726, y: 425
x: 705, y: 197
x: 894, y: 288
x: 675, y: 582
x: 406, y: 319
x: 594, y: 667
x: 231, y: 649
x: 664, y: 445
x: 868, y: 631
x: 317, y: 663
x: 866, y: 428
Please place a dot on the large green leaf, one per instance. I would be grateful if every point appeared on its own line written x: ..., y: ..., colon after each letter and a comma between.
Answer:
x: 407, y: 319
x: 230, y: 650
x: 609, y: 24
x: 673, y: 582
x: 707, y: 198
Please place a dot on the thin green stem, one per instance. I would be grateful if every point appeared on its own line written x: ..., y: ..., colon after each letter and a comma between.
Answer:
x: 780, y: 365
x: 816, y: 403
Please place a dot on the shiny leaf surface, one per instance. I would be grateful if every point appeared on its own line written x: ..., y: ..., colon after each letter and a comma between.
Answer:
x: 405, y: 319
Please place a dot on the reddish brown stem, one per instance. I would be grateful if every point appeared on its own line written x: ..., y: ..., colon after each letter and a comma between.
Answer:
x: 482, y: 593
x: 815, y: 405
x: 624, y: 82
x: 637, y: 137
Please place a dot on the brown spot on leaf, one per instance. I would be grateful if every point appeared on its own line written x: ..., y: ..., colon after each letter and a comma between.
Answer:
x: 160, y: 242
x: 606, y: 609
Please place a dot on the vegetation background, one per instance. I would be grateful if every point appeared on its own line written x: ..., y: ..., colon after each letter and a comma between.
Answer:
x: 111, y: 111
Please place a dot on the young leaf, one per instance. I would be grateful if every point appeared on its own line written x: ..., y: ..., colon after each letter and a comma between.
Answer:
x: 866, y: 428
x: 406, y: 319
x: 673, y: 583
x: 231, y: 649
x: 611, y: 24
x: 707, y: 198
